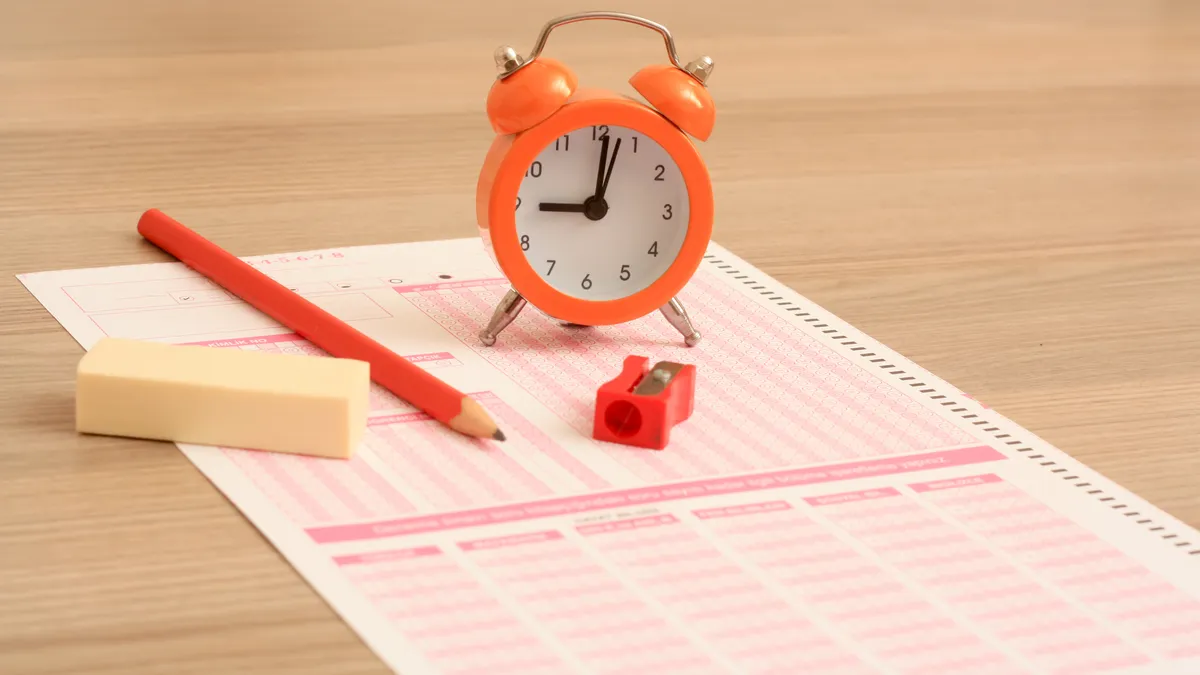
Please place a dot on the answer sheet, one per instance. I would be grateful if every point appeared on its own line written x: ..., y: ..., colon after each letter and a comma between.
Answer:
x: 830, y: 507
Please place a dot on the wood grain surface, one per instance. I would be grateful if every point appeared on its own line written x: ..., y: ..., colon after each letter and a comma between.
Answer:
x: 1006, y: 192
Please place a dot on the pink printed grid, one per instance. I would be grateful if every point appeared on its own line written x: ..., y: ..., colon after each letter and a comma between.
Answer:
x: 446, y: 469
x: 854, y: 594
x: 768, y: 396
x: 393, y: 438
x: 972, y: 580
x: 456, y: 477
x: 314, y: 491
x: 445, y: 614
x: 653, y: 494
x: 1082, y: 565
x: 600, y: 621
x: 727, y: 606
x: 449, y: 470
x: 640, y: 496
x: 514, y: 423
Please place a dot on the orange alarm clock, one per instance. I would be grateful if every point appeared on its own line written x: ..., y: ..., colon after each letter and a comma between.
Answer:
x: 597, y: 207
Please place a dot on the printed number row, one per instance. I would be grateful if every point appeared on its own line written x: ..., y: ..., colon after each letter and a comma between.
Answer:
x: 667, y: 213
x: 587, y: 278
x: 535, y: 171
x: 525, y: 247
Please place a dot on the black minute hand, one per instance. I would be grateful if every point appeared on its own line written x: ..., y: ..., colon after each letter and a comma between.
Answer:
x: 599, y: 193
x: 611, y: 162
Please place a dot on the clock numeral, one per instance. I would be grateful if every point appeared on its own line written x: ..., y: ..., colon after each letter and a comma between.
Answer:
x: 518, y: 203
x: 534, y: 170
x: 660, y: 168
x: 566, y: 143
x: 551, y: 267
x: 635, y: 143
x: 653, y: 250
x: 603, y: 132
x: 524, y: 242
x: 668, y: 214
x: 624, y: 272
x: 587, y: 282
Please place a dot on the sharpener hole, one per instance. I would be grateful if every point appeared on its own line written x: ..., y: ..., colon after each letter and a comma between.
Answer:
x: 623, y: 419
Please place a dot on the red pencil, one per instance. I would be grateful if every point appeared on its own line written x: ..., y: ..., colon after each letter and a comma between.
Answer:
x: 392, y: 371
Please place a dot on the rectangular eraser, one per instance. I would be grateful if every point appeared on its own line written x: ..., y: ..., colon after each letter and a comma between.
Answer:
x: 307, y: 405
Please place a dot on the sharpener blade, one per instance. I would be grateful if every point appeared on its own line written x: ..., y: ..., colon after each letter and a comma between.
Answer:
x: 658, y: 378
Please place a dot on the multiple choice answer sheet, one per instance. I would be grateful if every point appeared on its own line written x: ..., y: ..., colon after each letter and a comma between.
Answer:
x: 830, y: 507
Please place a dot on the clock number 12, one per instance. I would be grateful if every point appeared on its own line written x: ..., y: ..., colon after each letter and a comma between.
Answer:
x: 600, y: 132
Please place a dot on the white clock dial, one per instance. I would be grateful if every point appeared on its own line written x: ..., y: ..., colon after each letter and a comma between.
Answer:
x: 607, y: 246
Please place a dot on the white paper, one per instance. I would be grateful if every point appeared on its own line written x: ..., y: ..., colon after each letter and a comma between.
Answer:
x: 829, y: 507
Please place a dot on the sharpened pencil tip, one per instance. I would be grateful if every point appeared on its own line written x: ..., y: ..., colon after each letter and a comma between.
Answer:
x: 499, y: 435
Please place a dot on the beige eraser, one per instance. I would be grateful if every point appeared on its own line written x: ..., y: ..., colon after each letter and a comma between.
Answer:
x: 308, y: 405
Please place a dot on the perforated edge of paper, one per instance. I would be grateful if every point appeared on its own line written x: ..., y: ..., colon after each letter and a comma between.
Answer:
x: 1003, y: 431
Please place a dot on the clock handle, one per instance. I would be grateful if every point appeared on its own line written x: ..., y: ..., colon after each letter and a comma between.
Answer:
x: 511, y: 62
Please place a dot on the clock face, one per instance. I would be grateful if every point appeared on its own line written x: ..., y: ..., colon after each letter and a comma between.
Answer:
x: 602, y: 212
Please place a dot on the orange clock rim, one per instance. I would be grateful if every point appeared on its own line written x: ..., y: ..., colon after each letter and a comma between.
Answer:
x: 502, y: 215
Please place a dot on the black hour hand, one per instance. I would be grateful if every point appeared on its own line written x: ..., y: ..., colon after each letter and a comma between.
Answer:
x: 562, y: 208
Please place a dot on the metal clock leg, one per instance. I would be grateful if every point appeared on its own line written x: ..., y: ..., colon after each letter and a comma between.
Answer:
x: 678, y: 317
x: 508, y: 309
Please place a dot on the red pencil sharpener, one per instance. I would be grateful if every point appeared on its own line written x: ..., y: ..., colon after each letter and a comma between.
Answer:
x: 640, y: 405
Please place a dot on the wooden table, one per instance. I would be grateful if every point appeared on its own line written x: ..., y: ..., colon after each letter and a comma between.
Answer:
x: 1008, y: 193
